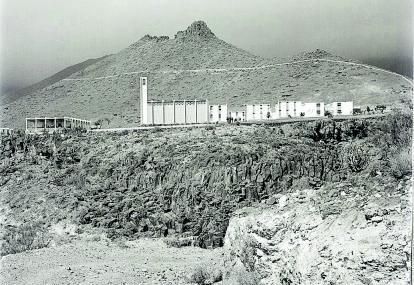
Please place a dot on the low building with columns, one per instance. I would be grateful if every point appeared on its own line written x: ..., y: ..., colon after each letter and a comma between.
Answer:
x: 55, y: 124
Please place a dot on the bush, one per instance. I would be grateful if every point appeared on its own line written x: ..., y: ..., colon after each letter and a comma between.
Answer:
x: 356, y: 157
x: 24, y: 237
x: 401, y: 163
x: 205, y: 274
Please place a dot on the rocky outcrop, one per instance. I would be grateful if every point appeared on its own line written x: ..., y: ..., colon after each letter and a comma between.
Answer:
x: 343, y: 233
x: 189, y: 182
x: 197, y: 30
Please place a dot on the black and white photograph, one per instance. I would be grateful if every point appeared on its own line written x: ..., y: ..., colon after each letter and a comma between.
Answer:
x: 206, y: 142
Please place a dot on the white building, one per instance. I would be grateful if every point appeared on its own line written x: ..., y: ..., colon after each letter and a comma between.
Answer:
x: 340, y: 108
x: 258, y: 112
x: 286, y: 109
x: 238, y: 116
x: 217, y: 113
x: 313, y: 109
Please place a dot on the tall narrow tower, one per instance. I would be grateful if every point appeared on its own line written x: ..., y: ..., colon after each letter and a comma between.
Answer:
x: 143, y: 94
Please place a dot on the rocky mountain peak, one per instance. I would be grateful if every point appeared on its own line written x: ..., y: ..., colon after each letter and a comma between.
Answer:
x: 197, y: 30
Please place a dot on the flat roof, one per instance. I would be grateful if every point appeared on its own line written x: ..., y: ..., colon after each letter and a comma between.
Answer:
x: 57, y: 118
x: 175, y: 101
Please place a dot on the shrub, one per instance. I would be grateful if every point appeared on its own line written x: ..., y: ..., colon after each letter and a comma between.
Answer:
x: 356, y: 157
x: 204, y: 274
x: 400, y: 163
x: 24, y: 237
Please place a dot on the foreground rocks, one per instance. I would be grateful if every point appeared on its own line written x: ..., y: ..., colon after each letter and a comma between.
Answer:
x: 339, y: 234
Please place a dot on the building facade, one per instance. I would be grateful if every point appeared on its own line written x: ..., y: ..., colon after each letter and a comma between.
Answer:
x: 217, y: 113
x: 238, y: 116
x: 177, y: 112
x: 258, y: 112
x: 340, y: 108
x: 292, y: 109
x: 55, y: 124
x: 6, y: 131
x: 171, y: 112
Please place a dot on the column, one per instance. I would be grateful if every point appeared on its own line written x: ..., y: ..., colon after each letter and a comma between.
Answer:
x: 152, y: 113
x: 163, y: 112
x: 185, y: 112
x: 174, y: 112
x: 195, y: 103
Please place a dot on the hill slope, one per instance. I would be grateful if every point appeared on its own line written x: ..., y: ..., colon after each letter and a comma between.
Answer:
x: 12, y: 96
x: 198, y: 65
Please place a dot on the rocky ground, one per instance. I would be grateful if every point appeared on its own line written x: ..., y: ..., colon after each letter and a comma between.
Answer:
x: 343, y: 233
x: 145, y: 261
x: 324, y: 201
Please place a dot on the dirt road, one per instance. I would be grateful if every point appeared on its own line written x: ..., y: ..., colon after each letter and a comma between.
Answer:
x: 139, y: 262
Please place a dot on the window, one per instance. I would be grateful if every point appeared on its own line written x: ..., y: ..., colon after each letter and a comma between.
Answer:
x: 318, y: 105
x: 219, y: 116
x: 143, y: 81
x: 339, y: 111
x: 211, y: 116
x: 318, y: 112
x: 211, y: 108
x: 219, y: 107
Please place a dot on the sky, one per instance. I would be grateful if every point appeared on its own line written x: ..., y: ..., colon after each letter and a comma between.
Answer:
x: 41, y: 37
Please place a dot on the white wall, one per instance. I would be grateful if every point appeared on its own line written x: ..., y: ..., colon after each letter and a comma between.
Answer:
x: 313, y: 109
x: 217, y: 113
x: 285, y: 108
x: 340, y: 108
x: 257, y: 112
x: 238, y: 115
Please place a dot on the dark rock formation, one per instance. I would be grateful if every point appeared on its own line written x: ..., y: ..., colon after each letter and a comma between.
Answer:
x: 197, y: 30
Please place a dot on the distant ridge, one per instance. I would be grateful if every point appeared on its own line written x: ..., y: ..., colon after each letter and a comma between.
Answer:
x: 108, y: 88
x: 13, y: 96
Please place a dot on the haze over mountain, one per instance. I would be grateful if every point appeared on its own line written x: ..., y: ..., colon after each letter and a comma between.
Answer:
x: 195, y: 64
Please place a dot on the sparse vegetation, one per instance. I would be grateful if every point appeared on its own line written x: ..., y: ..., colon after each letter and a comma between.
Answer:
x: 357, y: 157
x: 24, y: 237
x: 205, y: 274
x: 401, y: 163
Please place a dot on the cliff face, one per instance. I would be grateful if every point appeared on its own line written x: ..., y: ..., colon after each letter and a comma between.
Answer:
x: 186, y: 183
x: 343, y: 233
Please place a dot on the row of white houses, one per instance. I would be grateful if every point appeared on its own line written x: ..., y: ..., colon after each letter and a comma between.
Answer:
x: 283, y: 109
x: 200, y: 111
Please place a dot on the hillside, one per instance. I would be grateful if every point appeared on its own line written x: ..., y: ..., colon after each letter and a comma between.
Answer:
x: 13, y: 96
x: 196, y: 64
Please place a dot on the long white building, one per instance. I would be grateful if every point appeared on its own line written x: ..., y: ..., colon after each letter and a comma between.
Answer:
x: 341, y: 108
x: 217, y: 113
x: 238, y: 116
x: 258, y: 112
x: 285, y: 109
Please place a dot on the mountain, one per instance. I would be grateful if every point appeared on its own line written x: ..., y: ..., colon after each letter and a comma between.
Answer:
x: 12, y: 96
x: 196, y: 64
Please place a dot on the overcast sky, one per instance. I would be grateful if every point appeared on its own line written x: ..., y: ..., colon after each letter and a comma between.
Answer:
x: 41, y: 37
